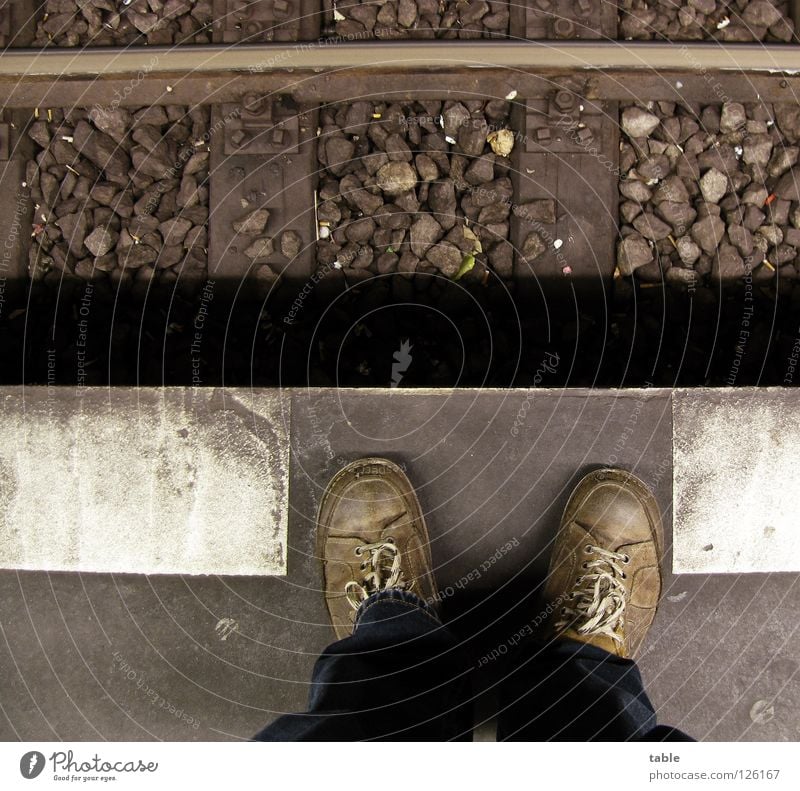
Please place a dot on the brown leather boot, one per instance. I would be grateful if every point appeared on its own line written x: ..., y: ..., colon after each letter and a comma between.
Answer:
x: 372, y: 537
x: 604, y: 581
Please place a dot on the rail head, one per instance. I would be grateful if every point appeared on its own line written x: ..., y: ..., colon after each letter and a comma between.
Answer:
x: 326, y: 55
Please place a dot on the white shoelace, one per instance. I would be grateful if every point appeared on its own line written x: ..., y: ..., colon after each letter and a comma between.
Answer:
x: 598, y: 596
x: 381, y: 571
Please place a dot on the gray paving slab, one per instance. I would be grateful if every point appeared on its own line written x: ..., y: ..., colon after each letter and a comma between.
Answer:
x: 128, y: 657
x: 736, y: 490
x: 143, y: 480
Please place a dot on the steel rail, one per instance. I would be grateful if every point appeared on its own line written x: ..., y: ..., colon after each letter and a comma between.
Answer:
x: 547, y: 56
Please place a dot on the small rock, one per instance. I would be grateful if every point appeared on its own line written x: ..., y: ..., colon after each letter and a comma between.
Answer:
x: 481, y: 170
x: 397, y: 149
x: 137, y: 256
x: 635, y: 190
x: 757, y: 150
x: 442, y: 201
x: 115, y: 122
x: 407, y: 264
x: 291, y: 244
x: 714, y: 185
x: 396, y: 177
x: 188, y: 193
x: 73, y: 227
x: 259, y: 250
x: 425, y: 231
x: 637, y: 122
x: 679, y: 276
x: 760, y: 13
x: 454, y: 117
x: 688, y: 251
x: 783, y: 158
x: 733, y: 117
x: 426, y: 168
x: 679, y: 215
x: 174, y: 230
x: 196, y: 162
x: 360, y: 230
x: 772, y: 233
x: 169, y: 255
x: 253, y: 223
x: 339, y: 153
x: 708, y: 233
x: 650, y: 227
x: 788, y: 186
x: 100, y: 241
x: 39, y: 133
x: 633, y: 252
x: 501, y: 258
x: 533, y: 247
x: 741, y: 238
x: 446, y: 257
x: 543, y: 211
x: 728, y: 264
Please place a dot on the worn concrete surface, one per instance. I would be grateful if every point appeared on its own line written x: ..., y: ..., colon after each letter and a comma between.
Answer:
x: 145, y: 481
x: 736, y: 494
x: 128, y: 657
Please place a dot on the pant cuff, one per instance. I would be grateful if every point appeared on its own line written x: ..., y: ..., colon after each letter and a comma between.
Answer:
x: 390, y: 603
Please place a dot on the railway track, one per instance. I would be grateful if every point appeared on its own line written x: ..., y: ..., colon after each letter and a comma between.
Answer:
x: 318, y: 194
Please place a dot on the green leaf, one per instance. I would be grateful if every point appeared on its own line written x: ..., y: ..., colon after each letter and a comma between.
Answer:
x: 466, y: 264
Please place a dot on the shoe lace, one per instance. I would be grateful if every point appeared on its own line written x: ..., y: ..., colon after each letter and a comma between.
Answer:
x: 381, y: 568
x: 599, y: 597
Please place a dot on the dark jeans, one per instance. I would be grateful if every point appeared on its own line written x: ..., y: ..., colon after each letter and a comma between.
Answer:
x: 403, y: 675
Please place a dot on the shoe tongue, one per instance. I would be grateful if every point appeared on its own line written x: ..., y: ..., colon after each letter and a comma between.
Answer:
x: 598, y: 640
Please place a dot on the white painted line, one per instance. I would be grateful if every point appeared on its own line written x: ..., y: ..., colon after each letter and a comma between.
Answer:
x: 736, y: 487
x: 145, y: 481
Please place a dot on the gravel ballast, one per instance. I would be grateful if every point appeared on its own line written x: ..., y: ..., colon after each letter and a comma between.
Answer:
x: 423, y: 19
x: 120, y: 195
x: 698, y: 20
x: 709, y: 192
x: 414, y: 188
x: 106, y: 23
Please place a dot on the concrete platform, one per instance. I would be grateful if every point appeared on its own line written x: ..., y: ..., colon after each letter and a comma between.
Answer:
x: 172, y: 481
x: 109, y: 656
x: 737, y: 480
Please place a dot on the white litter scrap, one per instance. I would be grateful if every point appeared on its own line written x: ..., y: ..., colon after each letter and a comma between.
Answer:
x: 511, y: 96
